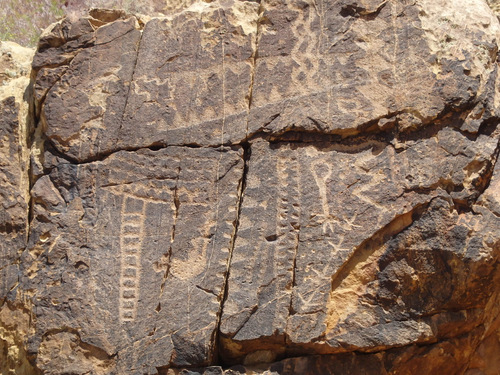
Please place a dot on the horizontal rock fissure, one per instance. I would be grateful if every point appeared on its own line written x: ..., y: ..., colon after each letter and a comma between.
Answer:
x: 357, y: 352
x: 357, y: 143
x: 157, y: 146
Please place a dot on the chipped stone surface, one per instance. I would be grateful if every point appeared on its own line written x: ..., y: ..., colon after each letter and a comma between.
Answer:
x: 341, y: 66
x: 269, y: 187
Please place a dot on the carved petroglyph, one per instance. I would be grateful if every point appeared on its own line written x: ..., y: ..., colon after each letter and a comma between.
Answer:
x: 288, y: 220
x: 337, y: 247
x: 137, y: 234
x: 288, y: 208
x: 322, y: 173
x: 288, y: 171
x: 131, y: 236
x: 199, y: 250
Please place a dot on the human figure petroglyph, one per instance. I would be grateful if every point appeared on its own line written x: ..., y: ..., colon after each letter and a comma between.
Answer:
x: 322, y: 172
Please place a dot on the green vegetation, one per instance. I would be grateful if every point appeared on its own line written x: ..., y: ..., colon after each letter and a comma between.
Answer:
x: 22, y: 21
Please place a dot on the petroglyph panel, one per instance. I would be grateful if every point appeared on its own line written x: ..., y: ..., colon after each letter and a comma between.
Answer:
x: 261, y: 284
x: 155, y: 230
x: 83, y: 109
x: 326, y: 66
x: 307, y: 209
x: 374, y: 229
x: 196, y: 89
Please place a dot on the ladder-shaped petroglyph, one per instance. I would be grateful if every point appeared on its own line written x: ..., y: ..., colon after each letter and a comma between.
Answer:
x: 289, y: 203
x: 139, y: 237
x: 133, y: 216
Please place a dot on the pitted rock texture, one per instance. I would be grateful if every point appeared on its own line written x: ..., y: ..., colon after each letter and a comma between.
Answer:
x: 276, y: 187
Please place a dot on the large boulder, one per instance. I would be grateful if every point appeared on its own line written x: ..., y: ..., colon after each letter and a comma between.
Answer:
x: 274, y: 186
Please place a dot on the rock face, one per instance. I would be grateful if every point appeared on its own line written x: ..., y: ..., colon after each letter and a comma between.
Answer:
x: 15, y: 69
x: 268, y: 186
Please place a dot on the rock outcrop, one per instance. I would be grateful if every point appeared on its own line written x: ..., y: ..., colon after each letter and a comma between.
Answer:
x: 15, y: 115
x: 276, y: 187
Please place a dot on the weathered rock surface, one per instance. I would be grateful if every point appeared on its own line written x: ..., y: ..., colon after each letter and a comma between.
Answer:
x: 327, y: 221
x: 15, y: 66
x: 146, y: 235
x: 15, y: 69
x: 281, y: 187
